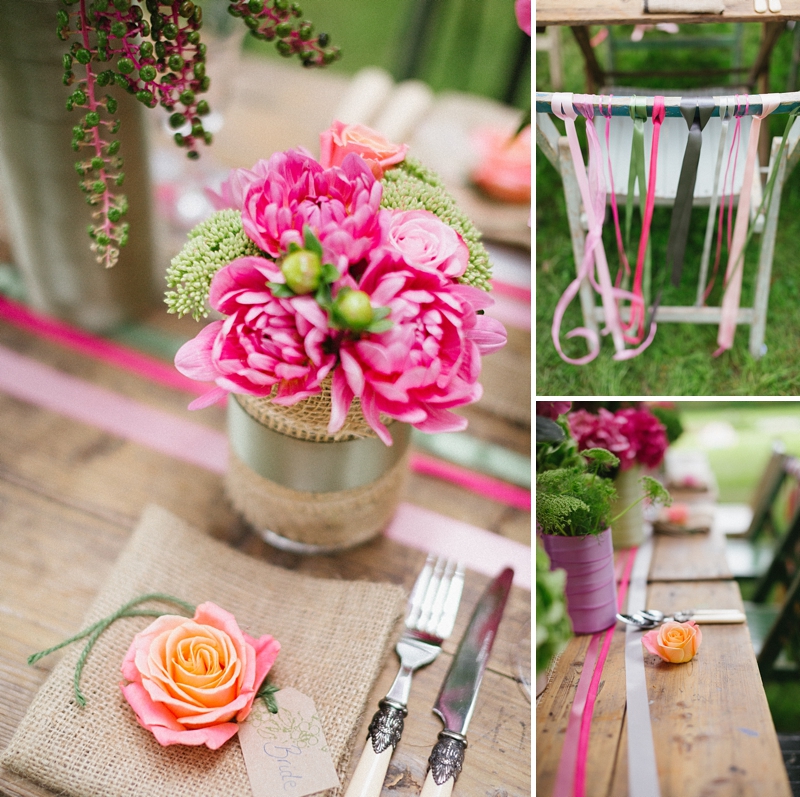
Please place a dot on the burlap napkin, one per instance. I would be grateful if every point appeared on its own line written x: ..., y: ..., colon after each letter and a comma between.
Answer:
x: 334, y: 636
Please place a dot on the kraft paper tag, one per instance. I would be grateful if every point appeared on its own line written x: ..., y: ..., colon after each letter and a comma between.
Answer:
x: 286, y: 753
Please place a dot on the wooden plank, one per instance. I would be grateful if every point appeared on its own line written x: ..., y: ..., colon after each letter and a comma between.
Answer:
x: 696, y: 557
x: 669, y: 314
x: 712, y: 728
x: 631, y: 12
x: 55, y: 556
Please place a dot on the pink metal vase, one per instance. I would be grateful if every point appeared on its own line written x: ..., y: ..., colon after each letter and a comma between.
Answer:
x: 591, y: 589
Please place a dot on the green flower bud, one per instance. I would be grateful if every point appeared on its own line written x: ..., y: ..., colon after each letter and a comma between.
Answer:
x: 170, y: 31
x: 205, y: 83
x: 187, y: 9
x: 83, y: 56
x: 146, y: 49
x: 111, y: 105
x: 283, y: 29
x: 303, y: 271
x: 202, y: 108
x: 255, y: 6
x: 200, y: 70
x: 118, y: 28
x: 177, y: 120
x: 125, y: 65
x: 175, y: 62
x: 180, y: 140
x: 92, y: 119
x: 187, y: 97
x: 161, y: 50
x: 97, y: 162
x: 352, y: 309
x: 305, y: 31
x: 147, y: 73
x: 193, y: 37
x: 192, y: 154
x: 78, y: 97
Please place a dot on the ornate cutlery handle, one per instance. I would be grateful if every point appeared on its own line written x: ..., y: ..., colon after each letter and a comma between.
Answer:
x: 446, y: 760
x: 384, y: 733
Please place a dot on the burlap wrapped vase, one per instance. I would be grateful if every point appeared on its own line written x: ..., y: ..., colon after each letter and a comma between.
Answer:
x: 303, y: 489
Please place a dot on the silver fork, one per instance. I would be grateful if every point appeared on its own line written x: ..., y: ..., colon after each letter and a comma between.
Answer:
x: 430, y: 616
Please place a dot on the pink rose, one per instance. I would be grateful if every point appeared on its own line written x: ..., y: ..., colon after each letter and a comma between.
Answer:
x: 674, y: 642
x: 263, y: 342
x: 191, y: 681
x: 426, y: 242
x: 340, y: 140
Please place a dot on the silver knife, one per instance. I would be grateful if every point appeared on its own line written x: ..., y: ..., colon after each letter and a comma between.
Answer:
x: 456, y: 700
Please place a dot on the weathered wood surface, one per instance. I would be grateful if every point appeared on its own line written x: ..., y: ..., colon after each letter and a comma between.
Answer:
x: 712, y: 729
x: 631, y: 12
x: 70, y: 496
x: 693, y: 557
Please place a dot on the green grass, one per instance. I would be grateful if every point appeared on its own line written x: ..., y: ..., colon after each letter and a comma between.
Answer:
x: 680, y: 361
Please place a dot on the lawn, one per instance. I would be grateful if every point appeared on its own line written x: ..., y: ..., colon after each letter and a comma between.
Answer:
x: 680, y: 361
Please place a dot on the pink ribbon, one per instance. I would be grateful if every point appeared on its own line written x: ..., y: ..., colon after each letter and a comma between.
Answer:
x: 571, y: 775
x: 594, y: 253
x: 735, y: 269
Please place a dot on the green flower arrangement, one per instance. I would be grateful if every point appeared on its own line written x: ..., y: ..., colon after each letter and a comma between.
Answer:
x: 553, y: 628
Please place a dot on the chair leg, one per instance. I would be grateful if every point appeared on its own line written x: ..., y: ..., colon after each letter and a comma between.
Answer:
x: 572, y: 196
x: 764, y: 275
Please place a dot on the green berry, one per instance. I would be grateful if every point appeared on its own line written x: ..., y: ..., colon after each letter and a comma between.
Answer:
x: 177, y: 120
x: 125, y: 65
x: 353, y: 310
x: 303, y: 271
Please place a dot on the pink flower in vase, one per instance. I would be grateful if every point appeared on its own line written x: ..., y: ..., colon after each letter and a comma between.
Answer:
x: 426, y: 242
x: 340, y: 204
x: 428, y: 362
x: 264, y: 341
x: 646, y: 434
x: 378, y: 152
x: 604, y: 430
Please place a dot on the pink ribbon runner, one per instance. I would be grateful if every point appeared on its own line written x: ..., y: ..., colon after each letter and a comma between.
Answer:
x: 735, y: 269
x: 571, y: 775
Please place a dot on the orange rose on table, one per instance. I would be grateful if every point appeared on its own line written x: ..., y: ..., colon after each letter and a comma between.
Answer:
x: 191, y: 680
x: 341, y: 140
x: 674, y: 642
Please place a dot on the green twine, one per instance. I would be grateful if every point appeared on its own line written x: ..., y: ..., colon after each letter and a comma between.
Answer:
x: 267, y: 694
x: 96, y: 629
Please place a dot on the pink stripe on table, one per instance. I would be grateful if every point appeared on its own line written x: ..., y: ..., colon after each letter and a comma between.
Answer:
x: 31, y: 381
x: 471, y: 480
x: 511, y: 312
x: 480, y: 550
x: 92, y: 346
x: 50, y: 389
x: 521, y: 293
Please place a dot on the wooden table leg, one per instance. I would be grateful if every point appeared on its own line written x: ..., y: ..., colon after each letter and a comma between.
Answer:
x: 595, y: 74
x: 759, y: 75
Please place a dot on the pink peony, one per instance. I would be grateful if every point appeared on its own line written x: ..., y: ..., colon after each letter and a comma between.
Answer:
x: 378, y: 152
x: 428, y: 362
x: 647, y: 436
x: 190, y: 681
x: 264, y: 341
x: 552, y: 409
x: 604, y: 430
x: 340, y: 204
x: 426, y: 242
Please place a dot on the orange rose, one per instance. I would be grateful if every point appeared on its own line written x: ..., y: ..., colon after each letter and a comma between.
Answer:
x: 341, y: 140
x: 674, y: 642
x: 192, y: 680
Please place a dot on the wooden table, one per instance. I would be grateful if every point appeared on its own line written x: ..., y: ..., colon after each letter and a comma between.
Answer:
x: 70, y: 495
x: 712, y: 728
x: 583, y: 13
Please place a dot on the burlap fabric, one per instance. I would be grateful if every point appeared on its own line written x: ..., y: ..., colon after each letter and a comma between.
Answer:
x: 322, y: 520
x: 334, y: 636
x: 309, y: 418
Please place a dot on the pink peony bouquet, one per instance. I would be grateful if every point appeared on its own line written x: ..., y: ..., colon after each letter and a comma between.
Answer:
x: 356, y: 268
x: 634, y: 435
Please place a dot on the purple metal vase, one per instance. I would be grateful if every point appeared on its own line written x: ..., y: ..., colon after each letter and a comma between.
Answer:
x: 591, y: 589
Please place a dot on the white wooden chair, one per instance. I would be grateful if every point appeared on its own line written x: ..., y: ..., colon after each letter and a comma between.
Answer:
x: 672, y: 144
